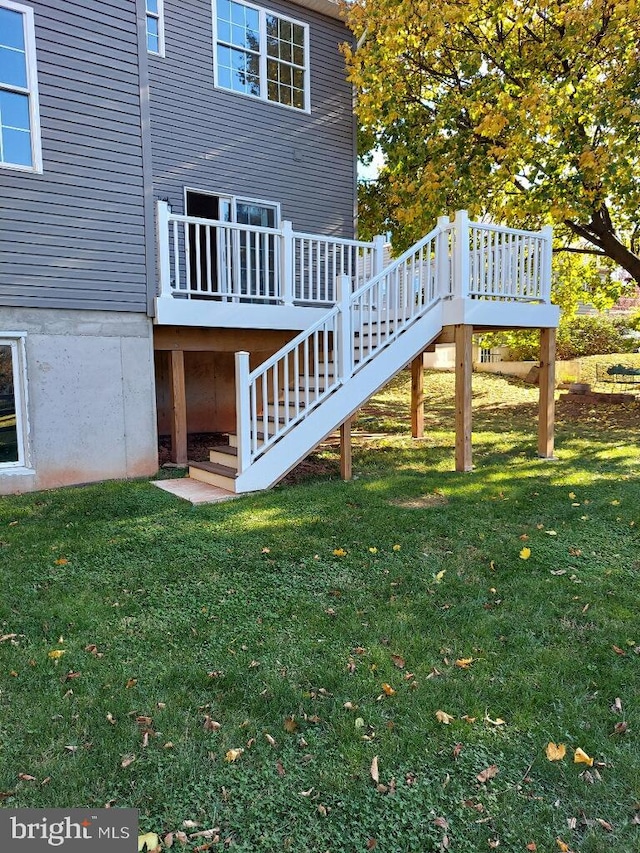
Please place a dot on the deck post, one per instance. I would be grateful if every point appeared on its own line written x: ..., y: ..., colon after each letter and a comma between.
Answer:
x: 178, y: 407
x: 417, y: 396
x: 243, y: 411
x: 463, y: 335
x: 164, y: 262
x: 286, y: 267
x: 545, y: 284
x: 443, y: 261
x: 346, y: 467
x: 546, y: 411
x: 378, y: 254
x: 461, y: 266
x: 345, y: 343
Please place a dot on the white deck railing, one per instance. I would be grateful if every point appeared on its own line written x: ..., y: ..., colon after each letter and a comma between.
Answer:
x: 227, y: 261
x: 457, y: 260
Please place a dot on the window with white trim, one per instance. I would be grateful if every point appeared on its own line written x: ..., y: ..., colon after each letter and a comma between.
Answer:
x: 19, y: 110
x: 155, y: 27
x: 13, y: 420
x: 262, y: 54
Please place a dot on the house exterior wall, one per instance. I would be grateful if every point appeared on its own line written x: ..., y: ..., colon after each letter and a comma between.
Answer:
x: 90, y: 397
x: 218, y: 141
x: 74, y: 236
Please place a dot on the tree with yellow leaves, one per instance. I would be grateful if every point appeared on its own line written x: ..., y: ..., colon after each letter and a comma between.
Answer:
x: 525, y: 111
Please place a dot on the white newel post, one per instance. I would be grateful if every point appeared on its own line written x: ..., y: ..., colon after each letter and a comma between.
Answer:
x: 243, y: 411
x: 379, y: 242
x: 286, y: 284
x: 443, y: 261
x: 547, y: 263
x: 164, y: 263
x: 461, y: 255
x: 345, y: 350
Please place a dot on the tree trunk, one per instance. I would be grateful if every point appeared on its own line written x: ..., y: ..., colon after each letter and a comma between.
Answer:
x: 601, y: 233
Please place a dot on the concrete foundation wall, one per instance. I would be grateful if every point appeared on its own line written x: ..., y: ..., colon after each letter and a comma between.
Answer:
x: 91, y: 401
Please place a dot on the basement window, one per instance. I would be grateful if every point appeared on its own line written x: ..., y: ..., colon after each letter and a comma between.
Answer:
x: 13, y: 413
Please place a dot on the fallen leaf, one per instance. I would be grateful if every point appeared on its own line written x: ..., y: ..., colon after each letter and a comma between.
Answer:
x: 616, y: 649
x: 398, y: 661
x: 339, y: 552
x: 572, y: 495
x: 525, y: 553
x: 127, y: 760
x: 397, y: 547
x: 581, y: 757
x: 61, y: 561
x: 233, y: 754
x: 468, y: 719
x: 131, y: 683
x: 555, y: 752
x: 148, y: 842
x: 374, y: 769
x: 168, y: 840
x: 211, y: 725
x: 617, y: 706
x: 290, y: 725
x: 26, y: 777
x: 372, y: 844
x: 111, y: 719
x: 488, y: 773
x: 6, y: 637
x: 306, y: 793
x: 564, y: 848
x: 620, y: 728
x: 270, y: 740
x: 443, y: 717
x: 497, y: 722
x: 439, y: 576
x: 56, y: 654
x: 464, y: 663
x: 70, y: 748
x: 457, y: 749
x: 388, y: 690
x: 280, y: 768
x: 494, y: 842
x: 531, y: 846
x: 373, y: 550
x: 441, y: 823
x: 605, y: 824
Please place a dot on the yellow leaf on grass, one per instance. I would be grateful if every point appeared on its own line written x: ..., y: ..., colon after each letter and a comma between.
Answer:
x: 397, y: 547
x: 233, y: 754
x: 388, y: 690
x: 555, y: 751
x: 564, y: 848
x: 62, y: 561
x: 438, y: 578
x: 464, y: 663
x: 339, y: 552
x: 525, y: 553
x: 572, y: 495
x: 148, y: 842
x: 443, y: 717
x: 373, y: 550
x: 581, y: 757
x: 56, y: 654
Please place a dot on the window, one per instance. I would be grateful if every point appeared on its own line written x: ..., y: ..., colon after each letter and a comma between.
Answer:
x: 12, y: 403
x: 19, y: 111
x: 155, y: 27
x: 262, y: 54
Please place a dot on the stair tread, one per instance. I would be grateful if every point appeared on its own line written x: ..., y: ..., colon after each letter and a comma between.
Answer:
x: 215, y: 468
x: 226, y: 449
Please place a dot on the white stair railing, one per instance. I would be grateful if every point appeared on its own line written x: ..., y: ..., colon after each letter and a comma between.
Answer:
x: 456, y: 260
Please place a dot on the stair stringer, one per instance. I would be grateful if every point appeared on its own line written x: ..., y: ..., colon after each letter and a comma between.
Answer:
x: 345, y: 401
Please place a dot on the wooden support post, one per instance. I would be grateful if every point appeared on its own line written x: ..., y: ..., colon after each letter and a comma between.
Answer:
x: 346, y: 468
x: 178, y: 408
x: 546, y: 411
x: 463, y: 335
x: 417, y: 396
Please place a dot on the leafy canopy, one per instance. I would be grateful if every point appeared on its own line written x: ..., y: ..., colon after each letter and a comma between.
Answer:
x: 525, y: 111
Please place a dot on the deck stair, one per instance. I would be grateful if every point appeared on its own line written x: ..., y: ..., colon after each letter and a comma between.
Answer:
x: 461, y: 272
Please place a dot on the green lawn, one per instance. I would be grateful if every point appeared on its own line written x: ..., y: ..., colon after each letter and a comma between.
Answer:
x: 318, y: 627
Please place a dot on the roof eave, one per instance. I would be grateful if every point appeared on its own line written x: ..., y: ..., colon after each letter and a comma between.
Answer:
x: 324, y: 7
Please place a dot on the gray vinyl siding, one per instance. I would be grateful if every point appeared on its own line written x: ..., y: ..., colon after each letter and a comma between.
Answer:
x: 74, y: 236
x: 209, y: 139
